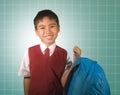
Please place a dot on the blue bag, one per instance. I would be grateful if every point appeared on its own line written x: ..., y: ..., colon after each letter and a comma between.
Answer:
x: 86, y: 78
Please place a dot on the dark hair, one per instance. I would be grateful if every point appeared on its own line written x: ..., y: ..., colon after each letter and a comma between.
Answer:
x: 45, y: 13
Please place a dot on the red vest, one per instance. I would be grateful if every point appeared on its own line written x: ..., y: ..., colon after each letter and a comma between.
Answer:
x: 46, y: 73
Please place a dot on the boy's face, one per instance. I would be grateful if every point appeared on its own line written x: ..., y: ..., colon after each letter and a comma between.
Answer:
x: 47, y: 30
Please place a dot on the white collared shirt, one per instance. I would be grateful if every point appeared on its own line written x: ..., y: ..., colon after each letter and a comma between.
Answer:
x: 51, y: 48
x: 24, y: 67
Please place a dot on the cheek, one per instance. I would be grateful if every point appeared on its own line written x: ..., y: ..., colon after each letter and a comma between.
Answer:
x: 56, y: 32
x: 40, y: 33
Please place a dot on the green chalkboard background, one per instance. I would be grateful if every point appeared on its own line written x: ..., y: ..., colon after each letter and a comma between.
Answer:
x: 93, y: 25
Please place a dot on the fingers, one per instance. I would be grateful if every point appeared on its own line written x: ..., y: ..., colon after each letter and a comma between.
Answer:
x: 77, y: 52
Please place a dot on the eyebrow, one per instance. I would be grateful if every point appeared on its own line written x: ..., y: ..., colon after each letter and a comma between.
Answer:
x: 49, y: 24
x: 53, y: 24
x: 41, y: 25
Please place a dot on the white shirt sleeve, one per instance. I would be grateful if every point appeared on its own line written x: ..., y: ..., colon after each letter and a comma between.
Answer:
x: 24, y: 70
x: 68, y: 63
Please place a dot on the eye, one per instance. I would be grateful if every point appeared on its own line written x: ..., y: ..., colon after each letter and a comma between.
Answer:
x: 52, y: 26
x: 41, y: 28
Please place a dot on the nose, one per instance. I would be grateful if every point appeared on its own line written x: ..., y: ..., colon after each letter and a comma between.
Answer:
x: 47, y: 31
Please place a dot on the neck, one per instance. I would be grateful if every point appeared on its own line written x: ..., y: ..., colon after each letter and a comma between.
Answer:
x: 48, y: 45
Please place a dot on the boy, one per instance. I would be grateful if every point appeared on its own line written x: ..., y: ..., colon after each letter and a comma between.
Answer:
x: 43, y: 65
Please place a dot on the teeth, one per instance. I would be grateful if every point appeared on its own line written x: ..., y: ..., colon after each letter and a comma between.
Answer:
x: 49, y: 37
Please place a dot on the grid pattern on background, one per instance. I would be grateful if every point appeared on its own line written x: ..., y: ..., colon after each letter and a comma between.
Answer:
x: 93, y: 25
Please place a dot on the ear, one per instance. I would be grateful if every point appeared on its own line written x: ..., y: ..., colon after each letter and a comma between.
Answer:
x: 58, y: 28
x: 36, y: 32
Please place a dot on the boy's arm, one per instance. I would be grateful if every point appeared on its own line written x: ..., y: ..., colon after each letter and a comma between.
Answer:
x: 66, y: 72
x: 64, y: 77
x: 77, y: 54
x: 26, y: 85
x: 25, y: 72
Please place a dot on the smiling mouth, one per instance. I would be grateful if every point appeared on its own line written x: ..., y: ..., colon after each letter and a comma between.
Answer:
x: 49, y: 37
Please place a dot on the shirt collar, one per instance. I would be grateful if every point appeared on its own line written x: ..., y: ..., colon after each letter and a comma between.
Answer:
x: 51, y: 47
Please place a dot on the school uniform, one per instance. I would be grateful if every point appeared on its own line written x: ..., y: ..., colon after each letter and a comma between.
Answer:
x: 45, y: 71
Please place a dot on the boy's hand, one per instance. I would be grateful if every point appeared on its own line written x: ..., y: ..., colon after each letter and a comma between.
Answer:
x: 77, y: 52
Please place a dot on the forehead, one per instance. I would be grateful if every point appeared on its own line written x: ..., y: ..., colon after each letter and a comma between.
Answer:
x: 47, y: 20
